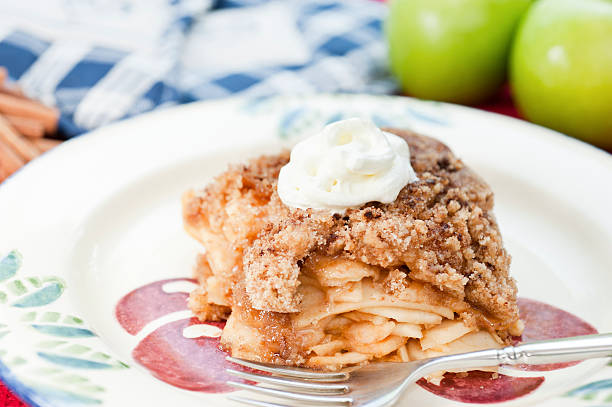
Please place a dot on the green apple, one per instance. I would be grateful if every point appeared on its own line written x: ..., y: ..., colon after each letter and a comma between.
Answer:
x: 452, y: 50
x: 561, y: 68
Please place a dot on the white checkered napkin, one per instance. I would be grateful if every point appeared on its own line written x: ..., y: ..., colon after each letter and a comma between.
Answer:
x: 102, y: 60
x: 97, y: 60
x: 286, y: 47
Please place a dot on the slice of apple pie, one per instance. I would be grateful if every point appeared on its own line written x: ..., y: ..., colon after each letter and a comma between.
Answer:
x: 423, y: 275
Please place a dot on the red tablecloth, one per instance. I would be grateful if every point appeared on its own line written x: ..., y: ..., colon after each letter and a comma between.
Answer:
x: 502, y: 104
x: 8, y: 399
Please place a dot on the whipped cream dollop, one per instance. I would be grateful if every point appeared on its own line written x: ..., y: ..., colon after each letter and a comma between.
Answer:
x: 347, y: 164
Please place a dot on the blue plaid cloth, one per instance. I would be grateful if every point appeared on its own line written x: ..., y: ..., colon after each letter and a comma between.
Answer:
x: 100, y: 61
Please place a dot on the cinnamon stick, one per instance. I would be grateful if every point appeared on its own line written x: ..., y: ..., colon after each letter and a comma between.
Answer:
x: 9, y: 160
x: 8, y: 88
x: 45, y: 144
x: 27, y: 127
x: 15, y: 106
x: 12, y: 91
x: 3, y: 173
x: 26, y: 150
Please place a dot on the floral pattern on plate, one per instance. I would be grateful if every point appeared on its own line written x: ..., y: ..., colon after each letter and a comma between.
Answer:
x: 198, y: 363
x: 56, y: 368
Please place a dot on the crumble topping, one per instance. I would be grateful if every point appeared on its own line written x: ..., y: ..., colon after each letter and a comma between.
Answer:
x: 440, y: 230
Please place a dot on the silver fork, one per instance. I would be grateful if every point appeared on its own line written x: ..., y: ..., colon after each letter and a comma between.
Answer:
x: 381, y: 384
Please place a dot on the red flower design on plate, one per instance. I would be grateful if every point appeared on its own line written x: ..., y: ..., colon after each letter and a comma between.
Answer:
x: 199, y: 364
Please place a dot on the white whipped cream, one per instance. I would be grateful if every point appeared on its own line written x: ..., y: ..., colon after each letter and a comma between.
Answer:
x: 347, y: 164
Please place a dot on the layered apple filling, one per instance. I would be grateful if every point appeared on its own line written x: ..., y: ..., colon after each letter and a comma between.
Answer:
x: 347, y: 317
x: 424, y: 276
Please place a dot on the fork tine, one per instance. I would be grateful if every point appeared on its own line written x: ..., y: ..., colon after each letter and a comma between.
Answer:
x: 308, y: 398
x: 293, y: 384
x: 296, y: 372
x: 257, y: 403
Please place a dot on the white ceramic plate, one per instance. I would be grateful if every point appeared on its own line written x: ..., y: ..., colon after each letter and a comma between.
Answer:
x: 100, y: 216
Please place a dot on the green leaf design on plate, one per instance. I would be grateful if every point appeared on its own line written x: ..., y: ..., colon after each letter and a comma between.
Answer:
x: 64, y: 331
x: 33, y: 292
x: 57, y: 324
x: 592, y: 390
x: 16, y: 287
x: 64, y: 340
x: 10, y: 264
x: 51, y: 317
x: 73, y: 362
x: 67, y: 380
x: 77, y: 355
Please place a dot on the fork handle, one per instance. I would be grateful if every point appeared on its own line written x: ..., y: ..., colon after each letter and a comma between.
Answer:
x: 558, y: 350
x: 532, y: 353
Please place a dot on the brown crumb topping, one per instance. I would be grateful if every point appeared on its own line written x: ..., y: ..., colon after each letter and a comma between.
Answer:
x: 440, y: 230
